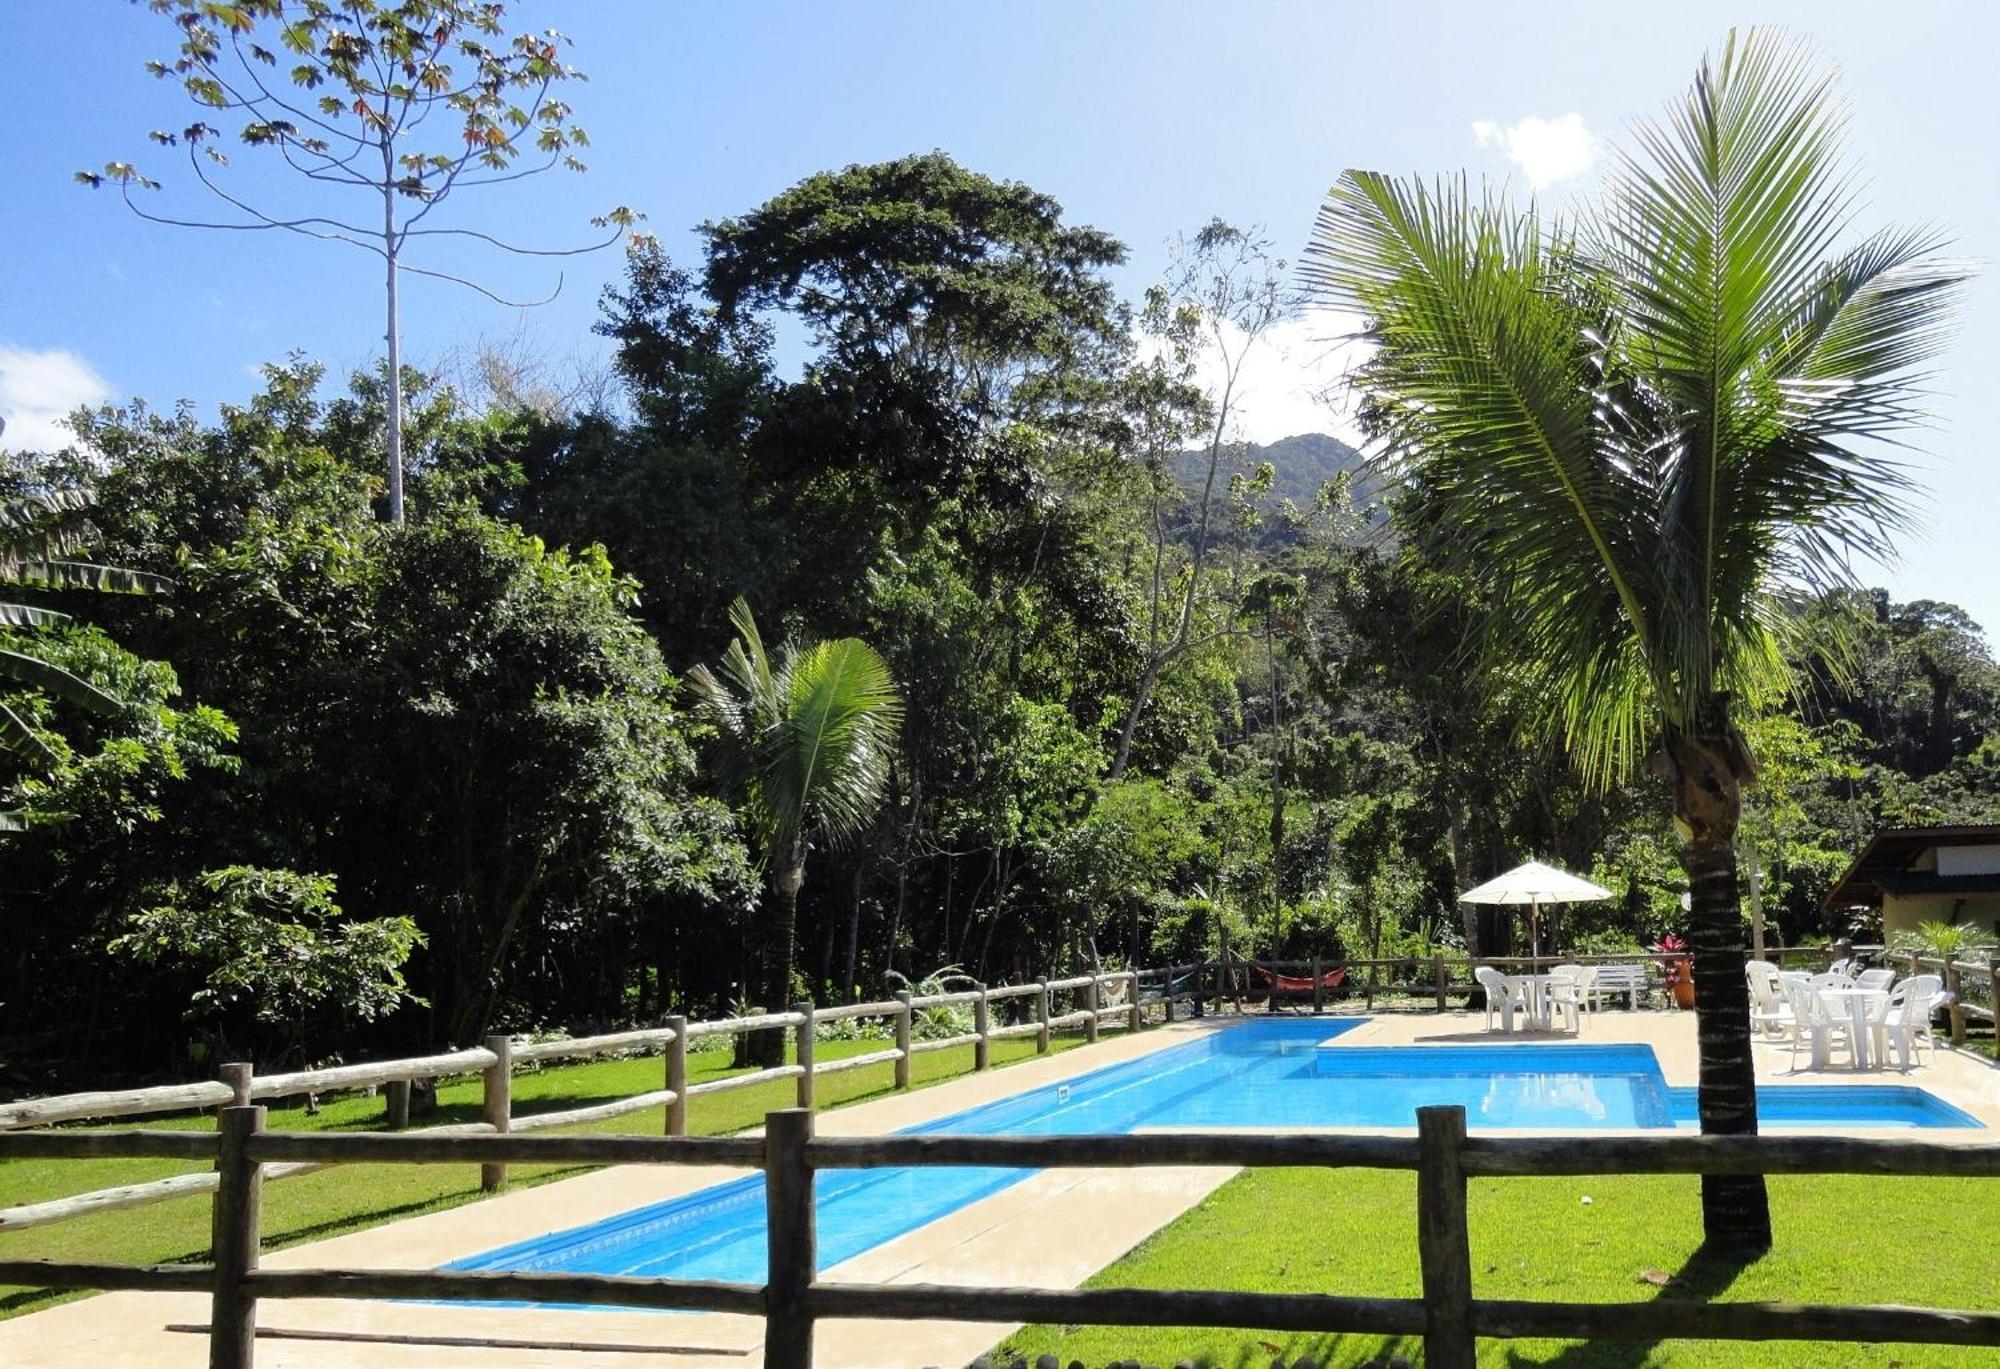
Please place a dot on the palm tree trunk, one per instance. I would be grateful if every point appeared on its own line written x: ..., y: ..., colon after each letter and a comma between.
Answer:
x: 852, y: 968
x: 1708, y: 792
x: 781, y: 959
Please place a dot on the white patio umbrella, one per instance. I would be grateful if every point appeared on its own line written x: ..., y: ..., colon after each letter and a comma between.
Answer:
x: 1535, y: 884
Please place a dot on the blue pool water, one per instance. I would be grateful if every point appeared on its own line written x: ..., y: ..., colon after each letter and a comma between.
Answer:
x: 1260, y: 1073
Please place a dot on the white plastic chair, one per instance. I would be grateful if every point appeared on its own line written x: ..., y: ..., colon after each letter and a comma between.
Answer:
x: 1582, y: 976
x: 1504, y: 996
x: 1813, y: 1027
x: 1908, y: 1018
x: 1878, y: 978
x: 1564, y: 998
x: 1769, y: 1012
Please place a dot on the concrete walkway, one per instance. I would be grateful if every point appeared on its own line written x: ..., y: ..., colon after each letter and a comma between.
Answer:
x: 1052, y: 1230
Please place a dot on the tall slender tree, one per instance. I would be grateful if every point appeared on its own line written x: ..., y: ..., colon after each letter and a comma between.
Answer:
x: 1644, y: 430
x: 341, y: 90
x: 812, y: 737
x: 1223, y: 295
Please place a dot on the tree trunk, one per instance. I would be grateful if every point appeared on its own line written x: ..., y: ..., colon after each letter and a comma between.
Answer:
x: 1140, y: 697
x: 393, y: 337
x: 781, y: 952
x: 853, y: 966
x: 1708, y: 774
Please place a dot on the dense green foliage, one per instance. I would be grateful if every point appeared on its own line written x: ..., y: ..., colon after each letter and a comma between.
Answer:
x: 478, y: 722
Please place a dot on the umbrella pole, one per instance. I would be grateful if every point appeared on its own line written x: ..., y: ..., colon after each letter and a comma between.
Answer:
x: 1534, y: 936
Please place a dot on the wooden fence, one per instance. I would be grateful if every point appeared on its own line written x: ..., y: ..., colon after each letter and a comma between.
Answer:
x: 496, y: 1060
x: 792, y: 1300
x: 1090, y: 1012
x: 1974, y: 988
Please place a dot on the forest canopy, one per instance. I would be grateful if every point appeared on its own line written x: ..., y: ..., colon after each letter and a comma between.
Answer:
x: 1157, y: 685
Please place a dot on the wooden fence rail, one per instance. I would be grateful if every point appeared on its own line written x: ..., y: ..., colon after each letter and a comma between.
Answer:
x: 1166, y: 988
x: 497, y: 1058
x: 792, y: 1300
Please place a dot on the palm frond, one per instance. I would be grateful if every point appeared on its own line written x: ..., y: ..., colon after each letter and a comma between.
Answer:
x: 54, y: 680
x: 24, y: 513
x: 811, y: 737
x: 827, y: 760
x: 19, y: 738
x: 86, y: 575
x: 1489, y: 369
x: 30, y: 616
x: 1639, y: 436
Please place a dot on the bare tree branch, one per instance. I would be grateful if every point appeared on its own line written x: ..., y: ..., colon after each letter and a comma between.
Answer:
x: 475, y: 286
x: 518, y: 251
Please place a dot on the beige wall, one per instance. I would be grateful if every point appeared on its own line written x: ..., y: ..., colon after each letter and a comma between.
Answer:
x: 1902, y: 912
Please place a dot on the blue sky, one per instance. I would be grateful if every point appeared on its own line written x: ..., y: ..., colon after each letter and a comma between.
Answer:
x: 1143, y: 117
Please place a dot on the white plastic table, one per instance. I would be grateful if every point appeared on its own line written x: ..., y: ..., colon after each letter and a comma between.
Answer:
x: 1854, y: 1002
x: 1537, y: 986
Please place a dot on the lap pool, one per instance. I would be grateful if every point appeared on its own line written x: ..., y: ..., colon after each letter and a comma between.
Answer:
x: 1272, y: 1072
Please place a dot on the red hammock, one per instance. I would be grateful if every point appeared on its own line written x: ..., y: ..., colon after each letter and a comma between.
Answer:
x: 1287, y: 983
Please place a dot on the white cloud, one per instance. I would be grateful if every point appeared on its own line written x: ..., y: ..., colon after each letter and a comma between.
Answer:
x: 38, y: 390
x: 1293, y: 380
x: 1546, y: 150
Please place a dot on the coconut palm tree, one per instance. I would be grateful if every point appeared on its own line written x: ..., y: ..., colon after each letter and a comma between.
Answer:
x: 1644, y: 430
x: 811, y: 737
x: 38, y: 533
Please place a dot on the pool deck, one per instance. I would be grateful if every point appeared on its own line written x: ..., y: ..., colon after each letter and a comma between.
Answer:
x: 1052, y: 1230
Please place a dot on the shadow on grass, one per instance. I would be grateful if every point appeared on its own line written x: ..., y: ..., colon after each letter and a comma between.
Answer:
x: 1707, y: 1274
x: 1704, y: 1277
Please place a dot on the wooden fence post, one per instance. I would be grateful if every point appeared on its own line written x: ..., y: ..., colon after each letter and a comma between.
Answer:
x: 1319, y: 1003
x: 238, y: 1075
x: 982, y: 1025
x: 1442, y: 977
x: 239, y: 1198
x: 1956, y: 1012
x: 1223, y: 971
x: 1090, y: 1007
x: 677, y: 1076
x: 902, y: 1042
x: 1042, y: 1018
x: 792, y: 1239
x: 499, y: 1108
x: 805, y: 1094
x: 1443, y: 1246
x: 396, y: 1104
x: 1135, y: 1014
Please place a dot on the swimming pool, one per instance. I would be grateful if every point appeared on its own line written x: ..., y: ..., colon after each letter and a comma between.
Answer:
x: 1267, y: 1072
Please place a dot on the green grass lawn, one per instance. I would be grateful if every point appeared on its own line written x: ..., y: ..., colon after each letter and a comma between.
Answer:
x: 1851, y: 1239
x: 343, y: 1198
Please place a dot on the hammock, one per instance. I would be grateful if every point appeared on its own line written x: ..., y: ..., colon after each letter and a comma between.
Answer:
x: 1286, y: 983
x: 1154, y: 993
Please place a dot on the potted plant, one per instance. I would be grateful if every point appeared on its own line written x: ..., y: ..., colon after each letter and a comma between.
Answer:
x: 1677, y: 969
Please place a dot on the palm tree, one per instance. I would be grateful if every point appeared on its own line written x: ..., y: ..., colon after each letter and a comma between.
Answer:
x: 812, y: 738
x: 37, y: 534
x: 1645, y: 431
